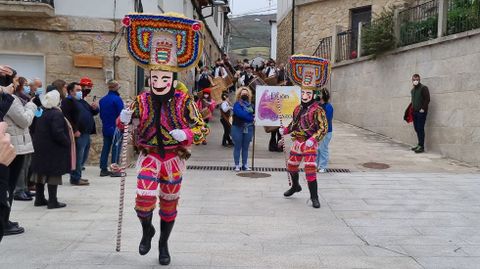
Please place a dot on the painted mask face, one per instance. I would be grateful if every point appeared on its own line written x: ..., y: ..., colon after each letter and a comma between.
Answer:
x: 161, y: 82
x: 307, y: 96
x: 309, y: 77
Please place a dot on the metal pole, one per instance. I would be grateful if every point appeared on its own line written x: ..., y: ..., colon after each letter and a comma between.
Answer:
x: 292, y: 51
x: 284, y: 149
x: 253, y: 149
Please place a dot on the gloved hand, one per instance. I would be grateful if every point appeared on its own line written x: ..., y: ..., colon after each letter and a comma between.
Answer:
x: 283, y: 130
x: 126, y: 116
x: 310, y: 142
x: 178, y: 135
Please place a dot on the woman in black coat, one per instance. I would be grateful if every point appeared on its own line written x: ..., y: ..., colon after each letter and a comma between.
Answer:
x: 52, y: 142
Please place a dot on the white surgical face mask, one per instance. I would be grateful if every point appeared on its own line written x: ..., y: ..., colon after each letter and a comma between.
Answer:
x: 415, y: 82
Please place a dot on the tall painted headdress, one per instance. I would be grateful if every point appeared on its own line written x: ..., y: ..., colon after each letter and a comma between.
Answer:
x: 309, y: 72
x: 169, y: 42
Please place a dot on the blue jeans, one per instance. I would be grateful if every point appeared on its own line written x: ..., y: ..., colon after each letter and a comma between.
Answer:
x: 82, y: 144
x: 113, y: 143
x: 242, y: 138
x: 322, y: 152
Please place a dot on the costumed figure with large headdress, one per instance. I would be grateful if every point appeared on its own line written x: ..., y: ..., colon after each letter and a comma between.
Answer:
x: 168, y: 119
x: 309, y: 124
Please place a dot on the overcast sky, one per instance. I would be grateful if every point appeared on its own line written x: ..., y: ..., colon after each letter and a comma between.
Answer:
x: 240, y: 7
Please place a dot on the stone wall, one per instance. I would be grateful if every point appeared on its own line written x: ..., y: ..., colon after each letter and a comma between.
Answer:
x: 317, y: 19
x: 373, y: 94
x: 59, y: 38
x: 284, y: 38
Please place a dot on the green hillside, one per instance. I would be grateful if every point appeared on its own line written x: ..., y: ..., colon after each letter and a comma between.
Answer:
x: 251, y: 31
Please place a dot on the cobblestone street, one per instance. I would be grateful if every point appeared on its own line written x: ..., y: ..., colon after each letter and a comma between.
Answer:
x: 423, y: 212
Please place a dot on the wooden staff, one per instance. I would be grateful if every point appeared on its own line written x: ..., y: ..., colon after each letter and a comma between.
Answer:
x: 123, y: 164
x: 280, y: 117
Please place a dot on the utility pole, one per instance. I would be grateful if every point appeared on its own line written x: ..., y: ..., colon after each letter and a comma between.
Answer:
x: 293, y: 28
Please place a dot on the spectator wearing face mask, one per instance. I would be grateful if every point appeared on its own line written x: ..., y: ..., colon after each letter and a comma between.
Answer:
x: 206, y: 105
x: 19, y: 118
x: 92, y: 110
x: 53, y: 142
x: 219, y: 71
x: 21, y: 192
x: 242, y: 127
x: 7, y: 154
x: 247, y: 77
x: 71, y: 110
x: 35, y: 88
x: 204, y: 80
x: 420, y: 100
x: 226, y: 115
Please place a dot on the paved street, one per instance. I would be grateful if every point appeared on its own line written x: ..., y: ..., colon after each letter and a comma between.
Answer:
x: 423, y: 212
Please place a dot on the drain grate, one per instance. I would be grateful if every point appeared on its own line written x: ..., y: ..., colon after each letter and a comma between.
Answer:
x: 253, y: 175
x: 256, y: 169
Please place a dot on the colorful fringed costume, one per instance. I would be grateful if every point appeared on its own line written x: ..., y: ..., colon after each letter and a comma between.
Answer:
x: 168, y: 121
x: 309, y: 124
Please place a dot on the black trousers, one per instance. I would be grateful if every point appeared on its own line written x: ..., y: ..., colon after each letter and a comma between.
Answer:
x: 227, y: 129
x: 4, y: 206
x: 14, y: 171
x: 419, y: 120
x: 274, y: 138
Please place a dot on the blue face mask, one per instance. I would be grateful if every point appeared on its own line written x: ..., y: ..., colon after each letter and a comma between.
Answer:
x: 38, y: 112
x: 79, y: 95
x: 26, y: 90
x: 39, y: 91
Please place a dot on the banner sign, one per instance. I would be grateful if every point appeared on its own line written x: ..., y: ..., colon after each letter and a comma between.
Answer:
x: 266, y: 105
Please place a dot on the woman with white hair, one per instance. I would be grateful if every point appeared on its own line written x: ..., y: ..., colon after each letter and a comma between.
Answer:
x: 52, y: 141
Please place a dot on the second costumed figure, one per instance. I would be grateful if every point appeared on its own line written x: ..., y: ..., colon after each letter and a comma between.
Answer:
x: 168, y: 119
x: 309, y: 124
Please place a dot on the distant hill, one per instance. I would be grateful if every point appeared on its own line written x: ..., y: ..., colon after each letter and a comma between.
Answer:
x: 251, y: 31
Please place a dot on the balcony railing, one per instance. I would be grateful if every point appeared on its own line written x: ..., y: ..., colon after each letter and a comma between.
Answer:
x: 463, y: 15
x: 347, y: 45
x: 324, y: 49
x: 48, y: 2
x: 27, y: 8
x: 419, y: 23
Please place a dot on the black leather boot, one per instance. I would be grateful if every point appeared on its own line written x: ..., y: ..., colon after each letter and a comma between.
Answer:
x: 164, y: 255
x: 295, y: 185
x: 313, y: 187
x: 40, y: 195
x: 52, y: 197
x: 148, y: 233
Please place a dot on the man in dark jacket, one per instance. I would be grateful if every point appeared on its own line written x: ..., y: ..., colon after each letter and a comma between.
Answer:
x: 420, y: 100
x: 110, y: 107
x: 71, y: 109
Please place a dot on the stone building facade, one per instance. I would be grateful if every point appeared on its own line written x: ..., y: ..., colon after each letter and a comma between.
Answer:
x: 315, y: 19
x: 54, y: 36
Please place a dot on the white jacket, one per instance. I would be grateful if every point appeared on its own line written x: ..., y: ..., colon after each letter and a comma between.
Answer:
x: 19, y: 118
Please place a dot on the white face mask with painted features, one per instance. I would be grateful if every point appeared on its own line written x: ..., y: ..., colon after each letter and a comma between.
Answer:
x: 161, y: 82
x: 307, y: 96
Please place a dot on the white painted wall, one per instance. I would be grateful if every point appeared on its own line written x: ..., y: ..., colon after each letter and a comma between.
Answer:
x: 28, y: 66
x: 273, y: 41
x: 283, y: 7
x: 103, y: 8
x: 216, y: 28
